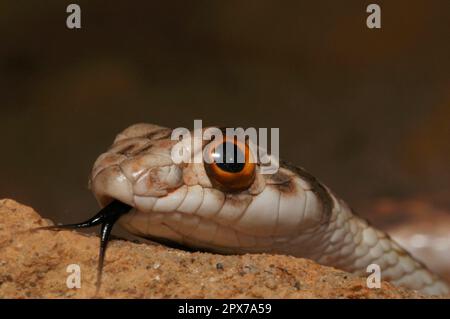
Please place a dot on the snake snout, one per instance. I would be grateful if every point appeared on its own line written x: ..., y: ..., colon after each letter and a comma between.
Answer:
x: 123, y: 182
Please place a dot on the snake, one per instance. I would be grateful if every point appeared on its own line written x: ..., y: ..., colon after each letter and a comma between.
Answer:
x: 233, y: 208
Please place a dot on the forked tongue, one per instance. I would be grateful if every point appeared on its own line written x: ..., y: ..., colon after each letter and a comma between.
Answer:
x: 106, y: 217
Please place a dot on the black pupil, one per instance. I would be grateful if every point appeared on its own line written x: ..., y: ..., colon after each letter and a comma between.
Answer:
x: 229, y: 157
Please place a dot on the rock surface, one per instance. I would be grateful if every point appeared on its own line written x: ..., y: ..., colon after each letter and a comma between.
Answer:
x: 33, y: 264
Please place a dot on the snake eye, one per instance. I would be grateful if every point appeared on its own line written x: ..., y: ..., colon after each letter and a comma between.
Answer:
x: 230, y: 165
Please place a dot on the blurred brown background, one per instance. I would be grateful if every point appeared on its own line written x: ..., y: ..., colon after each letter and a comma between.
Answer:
x: 366, y: 111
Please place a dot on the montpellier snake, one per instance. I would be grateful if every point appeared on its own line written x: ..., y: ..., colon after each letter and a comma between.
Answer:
x: 236, y: 209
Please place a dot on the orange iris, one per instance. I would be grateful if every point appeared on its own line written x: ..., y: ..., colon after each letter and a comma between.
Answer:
x: 229, y: 165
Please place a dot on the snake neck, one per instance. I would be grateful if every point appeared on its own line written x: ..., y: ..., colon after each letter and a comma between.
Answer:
x: 350, y: 243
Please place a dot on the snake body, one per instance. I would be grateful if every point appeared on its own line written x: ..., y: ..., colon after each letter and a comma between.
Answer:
x: 288, y: 212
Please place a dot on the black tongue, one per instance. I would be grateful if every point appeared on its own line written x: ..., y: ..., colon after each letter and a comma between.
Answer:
x: 107, y: 217
x: 113, y: 215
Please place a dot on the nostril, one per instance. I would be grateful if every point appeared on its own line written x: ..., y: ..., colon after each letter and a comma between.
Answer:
x: 150, y: 184
x: 158, y: 181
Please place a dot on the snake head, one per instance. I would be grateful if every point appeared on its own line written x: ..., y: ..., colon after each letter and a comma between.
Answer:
x: 202, y: 202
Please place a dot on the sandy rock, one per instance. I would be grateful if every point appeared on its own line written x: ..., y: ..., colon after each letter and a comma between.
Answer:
x: 33, y: 264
